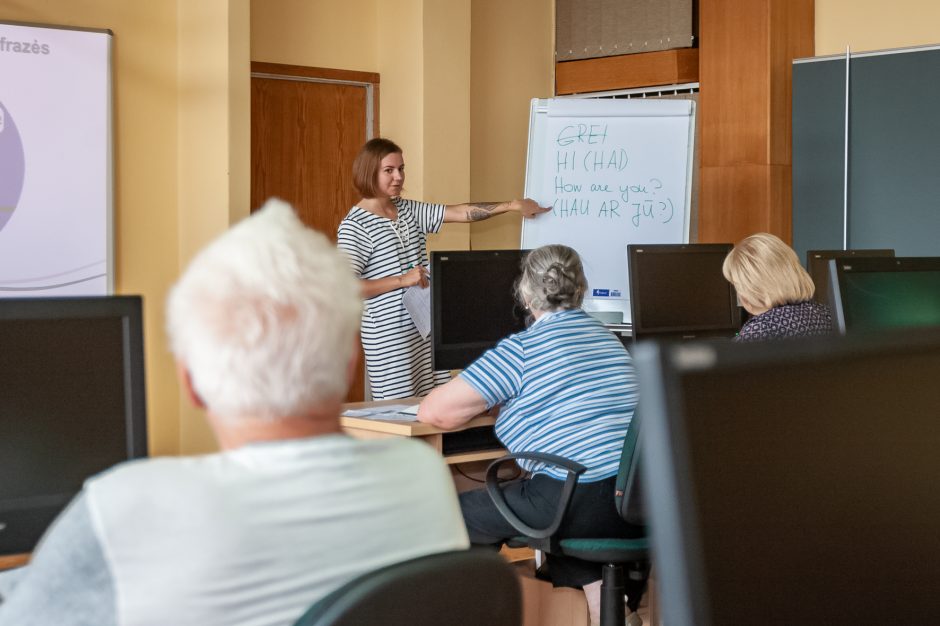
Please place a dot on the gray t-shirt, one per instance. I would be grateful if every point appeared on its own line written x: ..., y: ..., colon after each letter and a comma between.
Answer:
x: 68, y: 581
x: 262, y: 531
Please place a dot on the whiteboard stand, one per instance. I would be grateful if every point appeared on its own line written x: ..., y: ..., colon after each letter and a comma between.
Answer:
x: 615, y: 172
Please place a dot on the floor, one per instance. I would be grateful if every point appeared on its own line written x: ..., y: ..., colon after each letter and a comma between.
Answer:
x: 546, y: 606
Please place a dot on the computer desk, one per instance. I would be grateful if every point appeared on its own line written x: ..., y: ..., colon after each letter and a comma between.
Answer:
x: 13, y: 560
x: 365, y: 428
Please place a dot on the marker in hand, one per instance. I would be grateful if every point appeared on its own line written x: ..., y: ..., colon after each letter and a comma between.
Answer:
x: 416, y: 275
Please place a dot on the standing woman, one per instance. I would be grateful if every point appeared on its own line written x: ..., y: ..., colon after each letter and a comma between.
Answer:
x: 384, y: 236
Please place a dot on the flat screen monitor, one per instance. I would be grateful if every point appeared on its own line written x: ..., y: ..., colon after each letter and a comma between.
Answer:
x: 679, y: 290
x: 473, y: 304
x: 784, y: 478
x: 874, y: 294
x: 72, y: 405
x: 817, y: 264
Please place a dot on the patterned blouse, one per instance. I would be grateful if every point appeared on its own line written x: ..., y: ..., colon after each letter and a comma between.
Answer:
x: 802, y: 319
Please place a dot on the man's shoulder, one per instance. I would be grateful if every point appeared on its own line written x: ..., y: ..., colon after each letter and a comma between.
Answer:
x: 136, y: 469
x: 313, y: 467
x: 399, y: 452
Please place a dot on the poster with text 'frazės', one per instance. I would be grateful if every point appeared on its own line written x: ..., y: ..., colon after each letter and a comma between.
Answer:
x: 614, y: 172
x: 55, y: 161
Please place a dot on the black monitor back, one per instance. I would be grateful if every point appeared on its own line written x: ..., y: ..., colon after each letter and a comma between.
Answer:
x: 473, y: 305
x: 817, y: 264
x: 874, y: 294
x: 72, y: 404
x: 794, y: 482
x: 678, y: 290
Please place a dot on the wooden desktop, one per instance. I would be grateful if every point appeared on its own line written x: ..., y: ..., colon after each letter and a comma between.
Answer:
x: 366, y: 428
x: 13, y: 560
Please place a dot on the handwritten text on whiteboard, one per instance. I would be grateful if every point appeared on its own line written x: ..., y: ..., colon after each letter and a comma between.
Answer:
x: 590, y: 181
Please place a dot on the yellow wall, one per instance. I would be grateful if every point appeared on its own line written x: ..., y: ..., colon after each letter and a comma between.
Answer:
x: 875, y: 24
x: 421, y: 50
x: 400, y: 57
x: 446, y: 121
x: 512, y: 55
x: 338, y: 35
x: 456, y: 80
x: 178, y: 116
x: 214, y: 144
x: 145, y: 123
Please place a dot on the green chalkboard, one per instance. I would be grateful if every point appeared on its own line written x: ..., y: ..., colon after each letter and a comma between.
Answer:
x: 893, y: 155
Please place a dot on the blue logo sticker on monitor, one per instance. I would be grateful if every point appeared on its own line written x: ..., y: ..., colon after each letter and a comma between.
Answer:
x: 601, y: 293
x: 614, y: 293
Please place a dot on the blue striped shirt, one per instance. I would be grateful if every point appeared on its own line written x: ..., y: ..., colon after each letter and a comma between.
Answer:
x: 568, y: 388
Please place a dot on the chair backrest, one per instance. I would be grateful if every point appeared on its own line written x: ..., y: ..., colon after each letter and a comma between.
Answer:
x: 628, y: 499
x: 460, y: 588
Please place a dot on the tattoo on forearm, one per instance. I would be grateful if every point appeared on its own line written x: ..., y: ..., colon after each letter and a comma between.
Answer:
x: 481, y: 211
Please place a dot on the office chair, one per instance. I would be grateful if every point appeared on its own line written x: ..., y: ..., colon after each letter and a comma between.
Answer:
x: 614, y: 553
x: 462, y: 588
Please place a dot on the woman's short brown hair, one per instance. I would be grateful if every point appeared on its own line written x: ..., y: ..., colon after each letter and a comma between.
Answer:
x: 766, y: 272
x: 368, y: 161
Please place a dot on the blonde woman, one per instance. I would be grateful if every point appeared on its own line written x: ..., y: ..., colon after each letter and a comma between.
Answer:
x: 775, y: 289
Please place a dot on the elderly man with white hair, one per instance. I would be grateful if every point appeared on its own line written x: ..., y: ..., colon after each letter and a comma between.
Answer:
x: 264, y: 326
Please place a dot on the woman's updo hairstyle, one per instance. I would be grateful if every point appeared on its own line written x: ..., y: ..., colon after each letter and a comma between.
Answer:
x: 552, y: 279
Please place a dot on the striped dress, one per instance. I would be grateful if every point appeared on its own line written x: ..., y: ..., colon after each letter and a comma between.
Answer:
x: 567, y: 387
x: 398, y: 360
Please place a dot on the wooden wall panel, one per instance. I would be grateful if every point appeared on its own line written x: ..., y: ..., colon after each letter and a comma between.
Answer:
x: 735, y: 81
x: 736, y: 194
x: 668, y: 67
x: 746, y: 53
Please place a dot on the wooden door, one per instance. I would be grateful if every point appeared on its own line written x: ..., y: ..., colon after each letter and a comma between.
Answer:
x: 307, y: 124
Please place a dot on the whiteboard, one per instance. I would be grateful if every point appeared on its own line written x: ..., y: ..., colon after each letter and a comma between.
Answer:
x: 55, y: 161
x: 615, y: 172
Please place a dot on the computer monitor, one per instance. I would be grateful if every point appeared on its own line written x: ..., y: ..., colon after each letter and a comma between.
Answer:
x: 817, y: 264
x: 679, y: 290
x: 874, y: 294
x: 794, y: 482
x: 72, y: 405
x: 473, y: 304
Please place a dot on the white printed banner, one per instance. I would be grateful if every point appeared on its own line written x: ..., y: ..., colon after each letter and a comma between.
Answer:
x: 55, y: 161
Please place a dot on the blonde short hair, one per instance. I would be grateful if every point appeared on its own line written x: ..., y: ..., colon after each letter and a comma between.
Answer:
x: 766, y: 271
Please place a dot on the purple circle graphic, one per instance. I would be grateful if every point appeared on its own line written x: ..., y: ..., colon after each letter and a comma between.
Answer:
x: 12, y: 166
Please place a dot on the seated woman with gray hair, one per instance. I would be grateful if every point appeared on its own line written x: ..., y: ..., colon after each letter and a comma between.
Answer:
x: 775, y: 289
x: 564, y: 386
